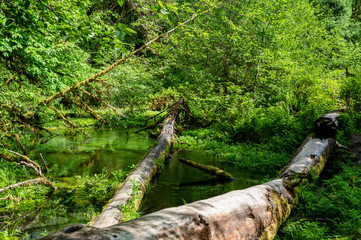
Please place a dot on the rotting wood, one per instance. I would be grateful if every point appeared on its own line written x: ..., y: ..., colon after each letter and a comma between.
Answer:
x: 309, y: 160
x: 208, y: 169
x: 326, y: 125
x: 253, y: 213
x: 142, y: 175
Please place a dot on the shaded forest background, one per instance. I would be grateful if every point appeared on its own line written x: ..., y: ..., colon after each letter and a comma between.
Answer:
x: 255, y: 74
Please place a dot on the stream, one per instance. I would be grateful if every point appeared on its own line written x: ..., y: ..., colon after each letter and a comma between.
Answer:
x: 179, y: 184
x: 110, y: 150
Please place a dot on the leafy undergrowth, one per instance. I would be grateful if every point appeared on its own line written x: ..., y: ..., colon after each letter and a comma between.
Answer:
x: 327, y: 209
x: 78, y: 199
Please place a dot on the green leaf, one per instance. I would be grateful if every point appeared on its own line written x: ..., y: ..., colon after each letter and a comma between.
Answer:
x: 65, y: 37
x: 121, y: 2
x: 129, y: 30
x: 160, y: 4
x: 40, y: 24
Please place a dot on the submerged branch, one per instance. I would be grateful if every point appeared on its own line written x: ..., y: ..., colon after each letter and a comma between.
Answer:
x: 208, y: 169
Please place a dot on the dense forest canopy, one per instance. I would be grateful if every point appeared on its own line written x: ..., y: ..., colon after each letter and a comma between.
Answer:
x: 254, y: 73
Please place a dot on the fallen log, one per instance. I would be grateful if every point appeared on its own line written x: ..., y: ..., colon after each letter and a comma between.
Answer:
x: 309, y: 160
x: 209, y: 169
x: 252, y: 213
x: 141, y: 176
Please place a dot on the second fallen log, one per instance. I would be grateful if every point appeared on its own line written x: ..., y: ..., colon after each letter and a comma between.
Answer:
x: 209, y: 169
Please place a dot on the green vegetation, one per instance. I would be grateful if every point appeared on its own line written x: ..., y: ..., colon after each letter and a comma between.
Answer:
x: 255, y: 74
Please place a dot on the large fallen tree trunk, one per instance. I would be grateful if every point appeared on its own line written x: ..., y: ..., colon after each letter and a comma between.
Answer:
x: 253, y: 213
x: 141, y: 176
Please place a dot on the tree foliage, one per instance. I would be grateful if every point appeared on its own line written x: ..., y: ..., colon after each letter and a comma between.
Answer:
x: 257, y: 72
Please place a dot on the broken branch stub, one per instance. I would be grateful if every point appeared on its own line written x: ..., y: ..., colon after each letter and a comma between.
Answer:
x: 326, y: 125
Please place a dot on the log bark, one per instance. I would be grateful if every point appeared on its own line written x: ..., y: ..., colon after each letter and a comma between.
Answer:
x: 209, y: 169
x: 141, y: 176
x: 253, y: 213
x: 309, y: 161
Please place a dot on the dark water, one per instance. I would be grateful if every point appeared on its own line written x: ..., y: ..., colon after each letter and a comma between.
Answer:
x: 178, y: 183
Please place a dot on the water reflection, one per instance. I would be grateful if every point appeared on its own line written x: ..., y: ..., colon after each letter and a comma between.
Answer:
x: 179, y: 183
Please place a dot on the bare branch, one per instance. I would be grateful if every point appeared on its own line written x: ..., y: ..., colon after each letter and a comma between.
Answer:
x: 73, y: 125
x: 42, y: 181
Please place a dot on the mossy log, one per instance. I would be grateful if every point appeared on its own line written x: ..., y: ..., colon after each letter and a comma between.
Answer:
x: 141, y: 176
x: 253, y: 213
x: 309, y: 160
x: 208, y: 169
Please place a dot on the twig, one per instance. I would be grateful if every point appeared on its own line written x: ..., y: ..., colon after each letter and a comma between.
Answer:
x: 153, y: 125
x: 167, y: 109
x: 46, y: 167
x: 102, y: 101
x: 10, y: 197
x: 6, y: 83
x: 38, y: 171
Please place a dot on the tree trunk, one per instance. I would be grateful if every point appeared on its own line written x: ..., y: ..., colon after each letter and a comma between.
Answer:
x: 141, y: 176
x: 209, y: 169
